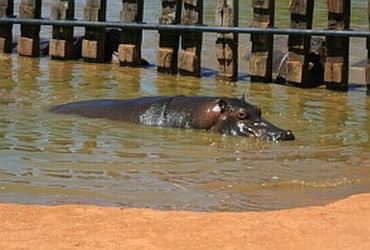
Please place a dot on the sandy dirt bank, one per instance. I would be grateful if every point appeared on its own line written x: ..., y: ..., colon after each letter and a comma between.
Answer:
x: 341, y: 225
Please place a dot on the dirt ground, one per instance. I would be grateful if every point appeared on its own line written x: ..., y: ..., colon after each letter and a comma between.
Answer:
x: 341, y: 225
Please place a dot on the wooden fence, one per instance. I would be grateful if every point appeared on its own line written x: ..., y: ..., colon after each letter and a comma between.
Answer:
x: 186, y: 60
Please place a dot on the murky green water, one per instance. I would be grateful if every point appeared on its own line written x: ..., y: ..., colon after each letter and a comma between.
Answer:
x: 53, y: 159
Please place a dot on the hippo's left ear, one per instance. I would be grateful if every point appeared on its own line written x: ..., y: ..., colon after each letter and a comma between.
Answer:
x: 221, y: 105
x: 243, y: 97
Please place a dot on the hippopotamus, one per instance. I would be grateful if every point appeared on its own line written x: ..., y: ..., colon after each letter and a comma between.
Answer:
x: 223, y: 115
x: 316, y: 59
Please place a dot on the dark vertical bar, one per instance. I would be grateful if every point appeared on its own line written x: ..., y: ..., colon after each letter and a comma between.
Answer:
x: 368, y: 55
x: 93, y: 44
x: 167, y: 55
x: 191, y: 42
x: 297, y: 68
x: 29, y: 41
x: 129, y: 51
x: 6, y: 10
x: 336, y: 64
x: 227, y: 14
x: 260, y: 64
x: 61, y: 43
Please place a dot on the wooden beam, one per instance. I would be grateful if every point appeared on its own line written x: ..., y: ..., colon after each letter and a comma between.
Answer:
x: 260, y: 63
x: 29, y: 41
x: 93, y: 44
x: 6, y: 10
x: 336, y: 64
x: 297, y: 68
x: 129, y: 50
x: 227, y: 14
x: 191, y: 42
x: 368, y: 55
x: 61, y: 43
x: 167, y: 55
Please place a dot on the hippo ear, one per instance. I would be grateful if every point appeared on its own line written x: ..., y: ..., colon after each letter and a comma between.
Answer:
x: 221, y: 106
x: 243, y: 97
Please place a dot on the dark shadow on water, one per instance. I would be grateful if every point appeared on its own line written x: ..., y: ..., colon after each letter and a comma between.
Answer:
x: 146, y: 64
x: 207, y: 72
x: 243, y: 77
x: 360, y: 87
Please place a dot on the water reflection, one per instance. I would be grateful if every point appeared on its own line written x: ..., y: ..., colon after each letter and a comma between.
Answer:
x: 129, y: 80
x: 60, y: 72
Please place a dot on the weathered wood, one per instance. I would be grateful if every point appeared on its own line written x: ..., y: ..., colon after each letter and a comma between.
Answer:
x: 368, y: 55
x: 93, y: 44
x: 299, y: 7
x: 6, y: 9
x: 61, y: 43
x: 167, y: 55
x: 335, y: 6
x: 227, y: 14
x: 260, y: 63
x: 336, y: 64
x: 28, y: 44
x: 297, y: 67
x: 129, y: 50
x: 191, y: 42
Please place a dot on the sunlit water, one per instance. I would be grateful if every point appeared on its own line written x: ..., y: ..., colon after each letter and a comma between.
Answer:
x: 54, y: 159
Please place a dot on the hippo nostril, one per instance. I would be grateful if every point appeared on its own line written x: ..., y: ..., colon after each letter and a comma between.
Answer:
x: 289, y: 135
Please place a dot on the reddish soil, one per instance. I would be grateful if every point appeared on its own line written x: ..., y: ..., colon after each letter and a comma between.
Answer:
x: 341, y: 225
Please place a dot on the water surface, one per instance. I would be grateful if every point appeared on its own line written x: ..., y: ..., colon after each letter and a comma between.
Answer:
x: 54, y: 159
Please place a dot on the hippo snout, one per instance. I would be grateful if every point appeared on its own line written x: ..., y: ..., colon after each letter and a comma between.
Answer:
x: 282, y: 135
x: 288, y: 136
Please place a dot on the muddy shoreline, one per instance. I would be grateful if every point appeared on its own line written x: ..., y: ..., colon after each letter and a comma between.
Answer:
x: 340, y: 225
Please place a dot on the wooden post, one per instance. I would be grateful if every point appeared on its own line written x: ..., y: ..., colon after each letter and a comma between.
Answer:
x: 227, y: 44
x: 191, y: 42
x: 61, y: 43
x: 129, y: 51
x: 336, y: 64
x: 6, y: 10
x: 368, y: 56
x: 29, y: 41
x: 260, y: 64
x: 297, y: 67
x: 93, y: 44
x: 169, y: 41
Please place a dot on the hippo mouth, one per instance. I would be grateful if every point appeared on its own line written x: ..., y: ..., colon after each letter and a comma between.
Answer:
x: 265, y: 131
x: 270, y: 136
x: 281, y: 136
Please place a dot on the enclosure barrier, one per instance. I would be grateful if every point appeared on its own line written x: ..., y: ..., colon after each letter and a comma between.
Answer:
x: 297, y: 68
x: 61, y: 43
x: 260, y: 63
x: 167, y: 56
x: 183, y: 19
x: 227, y: 43
x: 336, y: 64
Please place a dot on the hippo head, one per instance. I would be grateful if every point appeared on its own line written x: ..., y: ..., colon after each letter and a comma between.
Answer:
x: 237, y: 117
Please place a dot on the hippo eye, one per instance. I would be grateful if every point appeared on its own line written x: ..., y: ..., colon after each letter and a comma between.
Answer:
x: 241, y: 114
